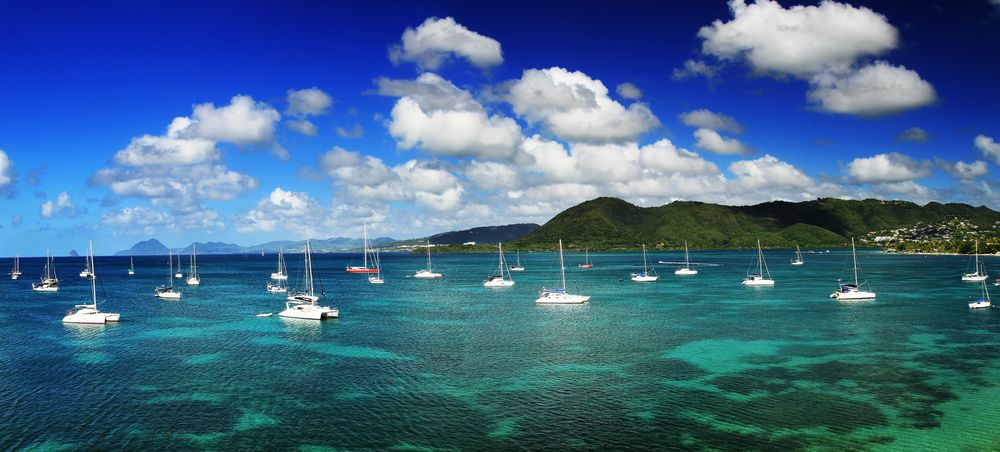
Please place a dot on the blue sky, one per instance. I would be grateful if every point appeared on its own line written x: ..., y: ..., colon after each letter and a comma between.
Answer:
x: 197, y: 122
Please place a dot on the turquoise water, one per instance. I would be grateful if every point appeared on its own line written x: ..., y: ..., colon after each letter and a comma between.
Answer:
x: 685, y: 363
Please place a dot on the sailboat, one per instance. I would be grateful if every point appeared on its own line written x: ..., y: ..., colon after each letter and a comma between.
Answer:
x: 980, y: 273
x: 428, y: 273
x: 517, y: 267
x: 559, y: 295
x: 168, y: 291
x: 853, y: 291
x: 301, y: 304
x: 364, y: 267
x: 193, y: 278
x: 87, y: 271
x: 49, y: 281
x: 686, y: 269
x: 586, y: 259
x: 983, y: 301
x: 761, y: 277
x: 646, y: 275
x: 131, y: 266
x: 88, y: 313
x: 497, y: 279
x: 178, y: 274
x: 377, y: 277
x: 280, y: 277
x: 16, y: 271
x: 798, y: 257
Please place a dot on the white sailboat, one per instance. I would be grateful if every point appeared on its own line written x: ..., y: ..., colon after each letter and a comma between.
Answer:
x: 847, y: 292
x: 646, y: 275
x: 131, y: 266
x: 301, y: 304
x: 168, y: 291
x: 364, y: 267
x: 193, y: 278
x: 980, y: 273
x: 760, y: 277
x: 87, y: 271
x: 983, y: 301
x: 428, y: 273
x: 559, y: 295
x: 16, y: 271
x: 377, y: 277
x: 49, y: 281
x: 517, y: 267
x: 798, y: 257
x: 178, y: 275
x: 686, y: 269
x: 88, y: 313
x: 586, y: 259
x: 280, y: 277
x: 498, y: 279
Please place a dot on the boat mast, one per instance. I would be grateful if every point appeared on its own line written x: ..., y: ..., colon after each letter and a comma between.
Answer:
x: 977, y: 257
x: 500, y: 246
x: 687, y: 258
x: 854, y: 253
x: 760, y: 259
x: 562, y: 266
x: 644, y: 258
x: 309, y: 270
x: 170, y: 262
x: 365, y: 258
x: 429, y: 255
x: 93, y: 275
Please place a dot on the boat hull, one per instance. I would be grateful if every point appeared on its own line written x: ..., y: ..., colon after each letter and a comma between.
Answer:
x: 309, y: 312
x: 498, y: 283
x: 194, y: 281
x: 279, y: 277
x: 797, y: 263
x: 361, y: 270
x: 375, y: 280
x: 850, y: 296
x: 644, y: 278
x: 424, y: 274
x: 974, y: 278
x: 758, y: 282
x: 517, y: 269
x: 585, y: 266
x: 561, y: 298
x: 168, y: 294
x: 41, y: 288
x: 685, y: 272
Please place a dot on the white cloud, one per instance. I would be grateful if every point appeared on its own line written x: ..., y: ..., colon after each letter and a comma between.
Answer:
x: 6, y: 169
x: 963, y: 170
x: 183, y: 188
x: 243, y: 121
x: 710, y: 140
x: 706, y: 119
x: 355, y: 131
x: 492, y: 175
x: 436, y: 40
x: 170, y: 150
x: 800, y: 40
x: 889, y: 167
x: 908, y: 188
x: 352, y: 168
x: 693, y: 68
x: 628, y: 91
x: 664, y: 156
x: 288, y: 209
x: 308, y: 102
x: 576, y: 107
x: 874, y: 90
x: 435, y: 115
x: 62, y: 206
x: 914, y: 134
x: 768, y: 172
x: 303, y: 126
x: 989, y: 148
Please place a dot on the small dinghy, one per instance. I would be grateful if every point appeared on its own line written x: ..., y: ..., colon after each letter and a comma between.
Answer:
x: 265, y: 314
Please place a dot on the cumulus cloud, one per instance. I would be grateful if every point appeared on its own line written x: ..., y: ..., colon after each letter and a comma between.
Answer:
x: 768, y: 172
x: 6, y: 172
x: 711, y: 141
x: 303, y: 126
x: 989, y: 148
x: 62, y: 206
x: 914, y: 134
x: 963, y: 170
x: 437, y: 116
x: 889, y: 167
x: 307, y: 102
x: 628, y: 91
x: 694, y: 68
x: 140, y: 220
x: 575, y: 107
x: 243, y: 121
x: 183, y: 188
x: 288, y: 209
x: 875, y: 90
x: 437, y: 40
x: 355, y: 131
x: 706, y: 119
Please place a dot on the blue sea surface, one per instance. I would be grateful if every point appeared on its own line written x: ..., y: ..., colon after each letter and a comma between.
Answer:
x: 689, y: 363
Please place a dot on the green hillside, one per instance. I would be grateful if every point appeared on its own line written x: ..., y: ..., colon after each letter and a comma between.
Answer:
x: 611, y: 223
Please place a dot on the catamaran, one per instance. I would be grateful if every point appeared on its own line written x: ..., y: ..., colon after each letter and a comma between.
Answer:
x: 983, y: 301
x: 586, y: 259
x: 760, y: 277
x: 798, y: 257
x: 428, y: 273
x: 980, y: 273
x: 364, y: 267
x: 377, y: 277
x: 853, y: 291
x: 686, y: 269
x: 646, y: 275
x: 88, y: 313
x: 87, y: 271
x: 178, y: 275
x: 497, y: 279
x: 301, y: 304
x: 16, y: 271
x: 559, y: 295
x: 280, y: 277
x: 193, y: 278
x: 517, y: 267
x: 131, y: 266
x: 49, y: 281
x: 168, y: 291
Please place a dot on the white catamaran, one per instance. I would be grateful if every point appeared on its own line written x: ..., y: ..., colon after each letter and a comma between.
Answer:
x: 559, y: 295
x: 428, y: 273
x: 279, y: 285
x: 497, y: 279
x: 686, y: 269
x: 16, y: 271
x: 760, y: 277
x: 798, y: 257
x: 88, y: 313
x: 301, y: 304
x: 49, y: 281
x: 980, y: 273
x: 168, y: 291
x: 847, y: 292
x: 193, y: 278
x: 648, y: 273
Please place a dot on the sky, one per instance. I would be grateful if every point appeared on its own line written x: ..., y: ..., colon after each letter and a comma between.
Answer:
x: 216, y: 121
